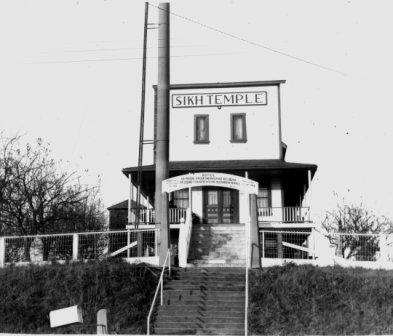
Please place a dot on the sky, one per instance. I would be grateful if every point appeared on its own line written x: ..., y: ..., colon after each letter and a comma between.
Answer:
x: 70, y: 73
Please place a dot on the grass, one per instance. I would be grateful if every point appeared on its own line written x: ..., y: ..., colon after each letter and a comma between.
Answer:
x: 29, y: 293
x: 298, y: 300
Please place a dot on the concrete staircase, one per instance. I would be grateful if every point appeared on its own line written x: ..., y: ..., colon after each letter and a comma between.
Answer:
x: 204, y: 301
x: 217, y: 245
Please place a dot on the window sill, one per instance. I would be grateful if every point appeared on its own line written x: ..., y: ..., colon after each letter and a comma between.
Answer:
x: 201, y: 142
x: 238, y: 141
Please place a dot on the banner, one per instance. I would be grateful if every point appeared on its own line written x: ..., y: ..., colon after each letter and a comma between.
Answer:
x: 210, y: 179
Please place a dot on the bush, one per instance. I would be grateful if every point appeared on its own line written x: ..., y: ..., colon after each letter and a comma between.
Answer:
x: 28, y: 294
x: 313, y: 300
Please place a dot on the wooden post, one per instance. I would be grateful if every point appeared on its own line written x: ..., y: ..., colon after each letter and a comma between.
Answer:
x: 128, y: 242
x: 102, y: 322
x: 75, y: 246
x: 383, y: 248
x: 254, y: 234
x: 2, y: 251
x: 280, y: 250
x: 162, y: 140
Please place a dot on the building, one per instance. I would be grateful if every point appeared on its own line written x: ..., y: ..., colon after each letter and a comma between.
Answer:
x: 234, y: 129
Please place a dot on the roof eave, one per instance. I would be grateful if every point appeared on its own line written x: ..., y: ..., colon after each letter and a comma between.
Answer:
x: 186, y: 86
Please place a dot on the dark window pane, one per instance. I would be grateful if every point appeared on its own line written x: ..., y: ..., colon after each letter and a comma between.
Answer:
x: 201, y: 129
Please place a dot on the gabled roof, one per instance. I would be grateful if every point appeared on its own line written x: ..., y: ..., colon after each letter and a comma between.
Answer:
x: 119, y: 206
x: 123, y: 205
x: 223, y: 84
x: 229, y: 165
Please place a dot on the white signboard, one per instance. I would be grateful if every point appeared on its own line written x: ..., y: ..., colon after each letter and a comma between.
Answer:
x: 210, y: 179
x: 65, y: 316
x: 219, y: 99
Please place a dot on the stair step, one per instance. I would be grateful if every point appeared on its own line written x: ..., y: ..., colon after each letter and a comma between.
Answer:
x: 169, y: 314
x: 227, y: 325
x: 199, y: 331
x: 210, y: 270
x: 182, y: 308
x: 219, y: 302
x: 200, y: 319
x: 175, y: 293
x: 206, y: 287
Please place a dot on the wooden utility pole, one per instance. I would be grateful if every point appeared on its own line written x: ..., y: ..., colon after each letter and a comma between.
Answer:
x: 162, y: 140
x: 141, y: 136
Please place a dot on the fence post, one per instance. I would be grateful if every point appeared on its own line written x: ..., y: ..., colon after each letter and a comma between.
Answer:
x: 128, y: 242
x: 2, y: 251
x: 75, y: 246
x: 102, y: 322
x: 382, y: 248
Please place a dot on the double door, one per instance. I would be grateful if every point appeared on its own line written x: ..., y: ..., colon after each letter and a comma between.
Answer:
x: 221, y: 205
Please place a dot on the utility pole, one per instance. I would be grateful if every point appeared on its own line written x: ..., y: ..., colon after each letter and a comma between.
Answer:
x: 141, y: 136
x: 162, y: 141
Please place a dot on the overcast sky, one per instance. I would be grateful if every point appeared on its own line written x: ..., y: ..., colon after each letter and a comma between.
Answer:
x: 70, y: 72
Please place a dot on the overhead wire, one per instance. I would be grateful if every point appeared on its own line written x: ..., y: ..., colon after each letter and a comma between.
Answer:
x: 257, y: 44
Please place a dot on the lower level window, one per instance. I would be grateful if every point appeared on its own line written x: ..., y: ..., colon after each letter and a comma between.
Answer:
x: 263, y: 200
x: 180, y: 198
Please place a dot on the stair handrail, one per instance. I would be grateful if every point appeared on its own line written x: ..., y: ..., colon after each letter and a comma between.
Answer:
x: 185, y: 238
x: 160, y: 285
x: 248, y: 264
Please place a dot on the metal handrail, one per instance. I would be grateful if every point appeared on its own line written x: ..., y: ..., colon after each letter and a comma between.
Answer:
x: 248, y: 260
x: 246, y: 306
x: 160, y: 285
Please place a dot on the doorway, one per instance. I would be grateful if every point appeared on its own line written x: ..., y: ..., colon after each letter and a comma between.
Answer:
x: 221, y: 205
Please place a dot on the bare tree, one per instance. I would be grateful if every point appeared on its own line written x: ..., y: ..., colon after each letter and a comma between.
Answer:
x: 353, y: 228
x: 36, y: 197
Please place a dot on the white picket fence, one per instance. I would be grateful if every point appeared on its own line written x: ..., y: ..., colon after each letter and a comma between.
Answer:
x: 78, y: 246
x: 346, y: 249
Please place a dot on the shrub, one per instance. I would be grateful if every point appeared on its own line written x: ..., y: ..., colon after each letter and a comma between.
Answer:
x: 29, y: 293
x: 313, y: 300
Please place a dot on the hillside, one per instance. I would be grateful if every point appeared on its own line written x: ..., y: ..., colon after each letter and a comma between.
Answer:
x: 295, y: 300
x: 28, y: 293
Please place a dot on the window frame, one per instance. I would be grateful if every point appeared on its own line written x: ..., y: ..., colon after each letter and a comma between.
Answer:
x: 196, y: 140
x: 176, y: 198
x: 243, y: 117
x: 268, y: 196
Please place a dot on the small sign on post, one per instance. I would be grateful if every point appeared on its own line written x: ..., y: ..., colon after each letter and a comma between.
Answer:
x: 65, y: 316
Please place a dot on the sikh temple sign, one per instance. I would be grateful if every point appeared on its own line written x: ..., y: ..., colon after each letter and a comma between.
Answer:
x: 210, y: 179
x: 219, y: 99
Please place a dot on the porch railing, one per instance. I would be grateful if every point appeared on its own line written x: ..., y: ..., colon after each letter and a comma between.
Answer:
x: 147, y: 216
x: 77, y: 246
x: 284, y: 214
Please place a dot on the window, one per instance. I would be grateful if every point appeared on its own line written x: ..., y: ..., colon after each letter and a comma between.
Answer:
x: 201, y: 128
x: 238, y: 127
x: 263, y: 200
x: 180, y: 198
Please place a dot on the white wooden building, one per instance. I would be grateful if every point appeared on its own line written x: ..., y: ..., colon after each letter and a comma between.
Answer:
x: 229, y: 128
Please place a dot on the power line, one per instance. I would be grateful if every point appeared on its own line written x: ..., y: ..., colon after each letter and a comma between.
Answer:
x: 120, y: 49
x: 252, y: 42
x: 128, y: 58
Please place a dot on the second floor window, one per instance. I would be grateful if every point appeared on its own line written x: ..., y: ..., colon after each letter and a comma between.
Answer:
x: 201, y: 128
x: 238, y: 127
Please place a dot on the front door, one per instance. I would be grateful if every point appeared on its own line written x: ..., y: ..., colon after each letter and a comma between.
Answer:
x: 220, y: 205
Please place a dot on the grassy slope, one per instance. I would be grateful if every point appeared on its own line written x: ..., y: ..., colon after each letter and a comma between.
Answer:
x: 329, y: 300
x: 27, y: 294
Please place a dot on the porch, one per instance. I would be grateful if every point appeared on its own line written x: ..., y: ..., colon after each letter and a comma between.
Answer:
x: 267, y: 216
